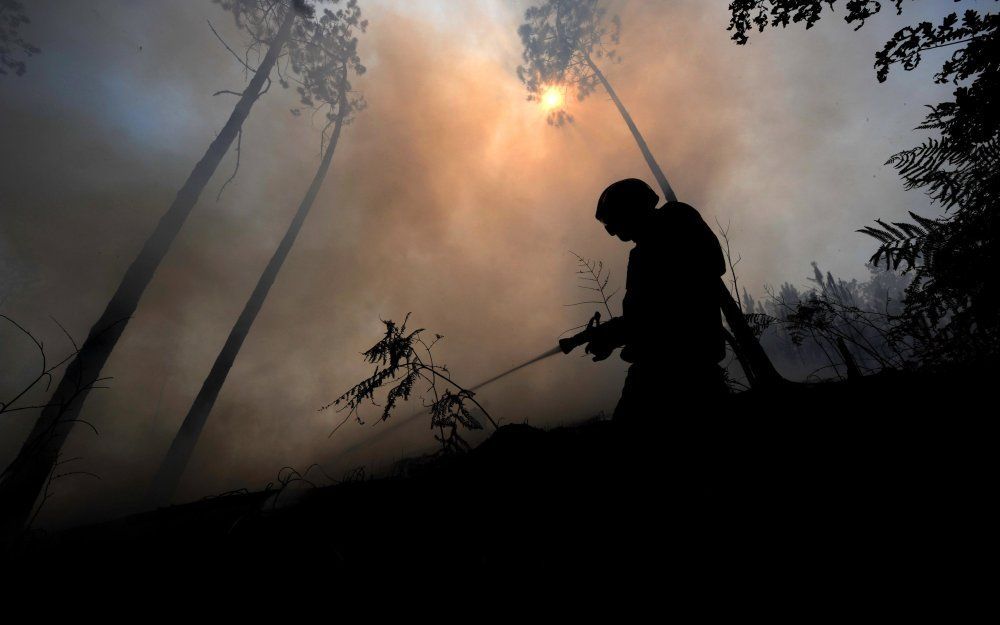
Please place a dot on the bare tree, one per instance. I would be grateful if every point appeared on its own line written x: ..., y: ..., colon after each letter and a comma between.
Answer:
x: 323, y: 63
x: 270, y: 24
x: 563, y: 40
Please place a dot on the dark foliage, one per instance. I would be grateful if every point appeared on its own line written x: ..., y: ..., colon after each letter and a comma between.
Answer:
x: 747, y: 14
x: 952, y: 306
x: 13, y: 48
x: 759, y: 322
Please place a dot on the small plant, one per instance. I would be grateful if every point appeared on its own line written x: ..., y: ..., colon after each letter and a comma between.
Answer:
x: 593, y: 277
x: 403, y: 360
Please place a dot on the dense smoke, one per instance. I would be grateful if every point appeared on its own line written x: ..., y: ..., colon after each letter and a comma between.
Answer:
x: 449, y: 197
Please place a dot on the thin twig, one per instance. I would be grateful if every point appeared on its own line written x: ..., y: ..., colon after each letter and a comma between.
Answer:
x: 239, y: 146
x: 242, y: 62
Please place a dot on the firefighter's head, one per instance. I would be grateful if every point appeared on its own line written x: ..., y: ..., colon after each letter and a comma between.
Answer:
x: 624, y: 207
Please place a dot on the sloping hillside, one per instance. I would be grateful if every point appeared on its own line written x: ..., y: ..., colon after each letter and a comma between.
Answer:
x: 884, y: 479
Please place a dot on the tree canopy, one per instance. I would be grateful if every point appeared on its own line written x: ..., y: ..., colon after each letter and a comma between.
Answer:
x: 321, y: 51
x: 322, y: 56
x: 560, y: 38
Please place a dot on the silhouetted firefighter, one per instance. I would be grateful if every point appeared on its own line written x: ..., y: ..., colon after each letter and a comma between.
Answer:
x: 674, y: 348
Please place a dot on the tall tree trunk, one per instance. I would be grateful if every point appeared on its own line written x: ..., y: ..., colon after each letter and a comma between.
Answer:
x: 754, y: 360
x: 170, y: 472
x: 26, y: 477
x: 661, y: 178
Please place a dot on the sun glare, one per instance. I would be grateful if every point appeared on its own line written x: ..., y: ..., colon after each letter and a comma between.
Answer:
x: 552, y: 98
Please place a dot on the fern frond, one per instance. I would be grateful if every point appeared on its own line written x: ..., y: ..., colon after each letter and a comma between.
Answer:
x: 759, y: 322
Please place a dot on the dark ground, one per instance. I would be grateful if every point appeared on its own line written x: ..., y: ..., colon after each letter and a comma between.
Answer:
x: 867, y: 487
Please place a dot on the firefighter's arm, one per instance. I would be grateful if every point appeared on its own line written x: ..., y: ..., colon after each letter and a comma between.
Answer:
x: 606, y: 337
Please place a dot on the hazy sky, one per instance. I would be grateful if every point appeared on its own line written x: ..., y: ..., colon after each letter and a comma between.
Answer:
x: 449, y: 197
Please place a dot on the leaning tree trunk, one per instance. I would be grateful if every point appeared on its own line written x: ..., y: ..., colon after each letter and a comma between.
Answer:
x: 170, y: 472
x: 26, y: 477
x: 756, y: 364
x: 661, y: 178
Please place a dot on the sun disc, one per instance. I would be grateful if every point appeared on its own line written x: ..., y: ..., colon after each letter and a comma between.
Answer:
x: 552, y: 98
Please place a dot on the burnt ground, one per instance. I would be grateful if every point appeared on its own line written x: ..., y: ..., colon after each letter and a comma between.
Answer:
x: 866, y: 486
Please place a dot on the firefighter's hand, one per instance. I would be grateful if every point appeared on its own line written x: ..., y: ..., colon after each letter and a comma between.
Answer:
x: 601, y: 348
